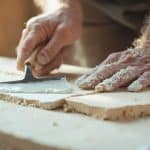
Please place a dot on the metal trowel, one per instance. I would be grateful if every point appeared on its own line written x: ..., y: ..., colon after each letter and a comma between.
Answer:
x: 32, y: 84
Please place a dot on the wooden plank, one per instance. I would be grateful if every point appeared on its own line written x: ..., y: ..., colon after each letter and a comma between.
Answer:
x: 27, y: 127
x: 68, y: 131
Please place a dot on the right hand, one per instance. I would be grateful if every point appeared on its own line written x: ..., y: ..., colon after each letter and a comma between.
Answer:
x: 53, y: 31
x: 127, y: 68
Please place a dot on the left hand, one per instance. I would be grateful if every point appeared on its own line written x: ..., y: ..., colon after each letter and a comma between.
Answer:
x: 128, y: 68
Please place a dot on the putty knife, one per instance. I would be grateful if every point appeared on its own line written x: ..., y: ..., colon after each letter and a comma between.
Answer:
x: 31, y: 84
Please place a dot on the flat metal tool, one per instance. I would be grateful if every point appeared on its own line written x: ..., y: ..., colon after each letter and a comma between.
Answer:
x: 30, y: 84
x: 28, y: 77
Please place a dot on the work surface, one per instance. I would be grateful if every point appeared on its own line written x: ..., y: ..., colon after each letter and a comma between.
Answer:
x: 68, y: 131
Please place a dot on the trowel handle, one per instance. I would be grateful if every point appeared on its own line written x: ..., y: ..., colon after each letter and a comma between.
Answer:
x: 32, y: 59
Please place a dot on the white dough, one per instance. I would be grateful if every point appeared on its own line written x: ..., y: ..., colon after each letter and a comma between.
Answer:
x: 49, y: 86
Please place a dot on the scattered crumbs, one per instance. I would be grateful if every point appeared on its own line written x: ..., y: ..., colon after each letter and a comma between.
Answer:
x: 55, y: 124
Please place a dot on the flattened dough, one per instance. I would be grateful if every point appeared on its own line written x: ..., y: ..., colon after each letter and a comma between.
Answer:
x: 49, y: 86
x: 112, y: 106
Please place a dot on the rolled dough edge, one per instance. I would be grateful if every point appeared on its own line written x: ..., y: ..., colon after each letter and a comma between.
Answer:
x: 32, y: 102
x: 112, y: 114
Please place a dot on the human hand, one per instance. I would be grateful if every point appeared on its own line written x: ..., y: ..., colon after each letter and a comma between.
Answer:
x: 53, y: 31
x: 128, y: 68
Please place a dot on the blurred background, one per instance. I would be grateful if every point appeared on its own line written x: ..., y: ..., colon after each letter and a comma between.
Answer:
x: 13, y: 15
x: 101, y: 35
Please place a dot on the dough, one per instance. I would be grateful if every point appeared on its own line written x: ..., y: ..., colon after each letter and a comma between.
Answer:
x: 49, y: 86
x: 107, y: 106
x: 43, y: 101
x: 112, y: 106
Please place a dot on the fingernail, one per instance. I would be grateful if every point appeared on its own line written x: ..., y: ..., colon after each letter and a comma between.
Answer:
x: 43, y: 58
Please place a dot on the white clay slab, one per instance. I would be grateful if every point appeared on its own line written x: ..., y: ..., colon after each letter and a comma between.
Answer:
x: 114, y: 99
x: 112, y: 106
x: 49, y: 86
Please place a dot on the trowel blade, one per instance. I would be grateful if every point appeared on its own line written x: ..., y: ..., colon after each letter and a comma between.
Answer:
x: 47, y: 86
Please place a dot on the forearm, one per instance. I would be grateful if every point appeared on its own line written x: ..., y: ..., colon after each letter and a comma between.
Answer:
x: 144, y: 40
x: 52, y: 5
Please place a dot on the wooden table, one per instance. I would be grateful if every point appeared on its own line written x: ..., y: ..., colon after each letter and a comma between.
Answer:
x: 26, y: 128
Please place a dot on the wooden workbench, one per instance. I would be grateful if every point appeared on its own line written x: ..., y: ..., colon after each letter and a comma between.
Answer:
x: 29, y: 128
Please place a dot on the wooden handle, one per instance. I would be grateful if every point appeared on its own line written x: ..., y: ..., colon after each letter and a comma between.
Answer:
x: 32, y: 59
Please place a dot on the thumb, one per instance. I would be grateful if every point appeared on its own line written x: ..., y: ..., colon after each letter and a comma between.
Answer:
x: 44, y: 70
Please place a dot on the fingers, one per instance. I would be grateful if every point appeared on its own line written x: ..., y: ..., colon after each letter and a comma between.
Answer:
x: 112, y: 58
x: 53, y: 47
x: 46, y: 56
x: 36, y: 32
x: 26, y: 46
x: 141, y: 83
x: 119, y: 70
x: 121, y: 78
x: 80, y: 79
x: 101, y: 73
x: 45, y: 70
x: 24, y: 34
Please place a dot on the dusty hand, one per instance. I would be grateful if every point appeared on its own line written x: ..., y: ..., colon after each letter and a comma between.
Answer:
x: 52, y: 30
x: 128, y: 68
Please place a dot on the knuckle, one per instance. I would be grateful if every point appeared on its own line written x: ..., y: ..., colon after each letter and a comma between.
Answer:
x: 29, y: 23
x: 36, y: 26
x: 110, y: 55
x: 113, y: 54
x: 64, y: 30
x: 69, y: 35
x: 33, y: 23
x: 70, y: 32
